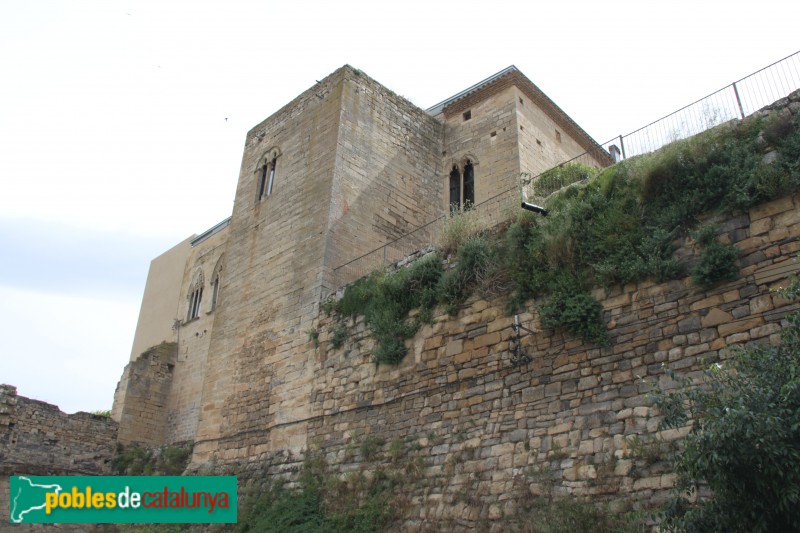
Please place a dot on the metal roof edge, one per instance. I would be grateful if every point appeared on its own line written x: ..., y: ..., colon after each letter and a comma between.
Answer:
x: 436, y: 109
x: 211, y: 231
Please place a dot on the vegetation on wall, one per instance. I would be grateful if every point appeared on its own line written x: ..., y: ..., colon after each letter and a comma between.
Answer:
x: 136, y: 460
x: 717, y: 260
x: 363, y: 500
x: 743, y: 443
x: 605, y: 227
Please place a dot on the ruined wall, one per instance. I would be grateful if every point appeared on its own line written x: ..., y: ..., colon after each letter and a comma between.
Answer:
x: 36, y: 438
x: 142, y: 396
x: 577, y: 419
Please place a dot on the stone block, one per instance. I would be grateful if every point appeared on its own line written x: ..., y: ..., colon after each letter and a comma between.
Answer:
x: 454, y: 347
x: 739, y: 326
x: 716, y: 317
x: 771, y: 208
x: 688, y: 325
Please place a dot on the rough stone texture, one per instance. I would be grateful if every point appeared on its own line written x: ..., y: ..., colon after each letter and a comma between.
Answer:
x: 353, y: 162
x: 481, y: 426
x: 358, y: 166
x: 143, y: 414
x: 36, y: 438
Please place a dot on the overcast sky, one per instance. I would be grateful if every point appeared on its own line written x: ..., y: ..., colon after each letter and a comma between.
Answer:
x: 122, y: 124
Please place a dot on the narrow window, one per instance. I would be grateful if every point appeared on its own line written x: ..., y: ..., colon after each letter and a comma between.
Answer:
x: 467, y: 115
x: 271, y: 174
x: 558, y: 136
x: 455, y: 188
x: 262, y: 184
x: 195, y: 304
x: 469, y: 185
x: 214, y: 292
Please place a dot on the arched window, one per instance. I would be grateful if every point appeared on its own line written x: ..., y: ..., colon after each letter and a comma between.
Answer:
x: 455, y: 188
x: 469, y: 185
x: 266, y: 171
x: 462, y: 187
x: 195, y: 297
x: 215, y: 279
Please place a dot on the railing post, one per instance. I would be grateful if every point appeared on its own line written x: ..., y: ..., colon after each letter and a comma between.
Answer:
x: 622, y: 146
x: 738, y: 100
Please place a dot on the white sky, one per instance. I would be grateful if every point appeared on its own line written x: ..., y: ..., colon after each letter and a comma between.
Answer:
x: 114, y: 143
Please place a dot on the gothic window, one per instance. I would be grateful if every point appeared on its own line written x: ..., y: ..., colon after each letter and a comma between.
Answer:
x: 262, y: 183
x: 195, y: 303
x: 455, y: 188
x: 266, y: 174
x: 469, y: 185
x: 462, y: 187
x: 195, y: 297
x: 271, y: 175
x: 215, y: 278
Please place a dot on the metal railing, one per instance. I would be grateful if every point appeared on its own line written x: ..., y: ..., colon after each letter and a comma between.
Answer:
x: 735, y: 101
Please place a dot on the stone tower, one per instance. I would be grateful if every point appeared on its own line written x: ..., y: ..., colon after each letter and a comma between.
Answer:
x: 342, y: 169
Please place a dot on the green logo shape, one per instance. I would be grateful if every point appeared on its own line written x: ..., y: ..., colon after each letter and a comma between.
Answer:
x: 122, y: 499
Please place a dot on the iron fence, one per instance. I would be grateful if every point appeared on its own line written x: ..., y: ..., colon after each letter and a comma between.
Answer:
x: 735, y: 101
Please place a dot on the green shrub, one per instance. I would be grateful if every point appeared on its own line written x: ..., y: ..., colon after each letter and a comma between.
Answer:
x: 385, y: 299
x: 313, y: 336
x: 475, y: 258
x: 717, y: 261
x: 577, y: 312
x: 136, y: 460
x: 338, y: 335
x: 462, y: 224
x: 322, y: 503
x: 561, y: 176
x: 743, y: 441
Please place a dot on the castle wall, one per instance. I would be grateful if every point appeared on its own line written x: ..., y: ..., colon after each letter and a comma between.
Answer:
x: 487, y: 436
x: 36, y: 438
x: 255, y: 377
x: 543, y: 143
x: 489, y: 139
x: 387, y: 174
x: 143, y: 395
x: 193, y: 338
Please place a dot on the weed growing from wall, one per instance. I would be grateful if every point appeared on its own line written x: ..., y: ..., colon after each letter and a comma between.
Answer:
x: 324, y: 502
x: 136, y: 460
x: 717, y: 260
x: 462, y: 224
x: 385, y: 299
x: 604, y: 228
x: 559, y: 177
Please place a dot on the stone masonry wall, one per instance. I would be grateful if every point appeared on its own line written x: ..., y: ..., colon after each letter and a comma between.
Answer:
x: 387, y: 178
x: 273, y: 260
x: 146, y: 382
x: 193, y: 339
x: 36, y: 438
x: 577, y: 419
x: 353, y: 159
x: 489, y: 139
x: 543, y: 142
